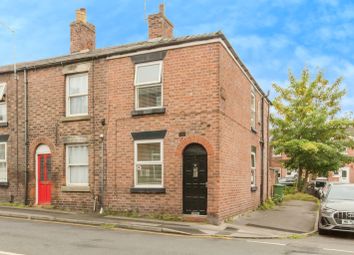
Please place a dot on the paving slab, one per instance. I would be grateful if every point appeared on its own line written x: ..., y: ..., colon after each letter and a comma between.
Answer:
x: 291, y: 216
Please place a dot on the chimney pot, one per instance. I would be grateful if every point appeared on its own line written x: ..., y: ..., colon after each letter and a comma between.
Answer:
x: 81, y: 15
x: 162, y: 9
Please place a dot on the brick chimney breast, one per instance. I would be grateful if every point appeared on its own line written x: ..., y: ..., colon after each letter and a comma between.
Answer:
x: 82, y: 33
x: 159, y: 26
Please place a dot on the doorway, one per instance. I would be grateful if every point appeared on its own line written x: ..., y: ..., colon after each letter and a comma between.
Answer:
x: 43, y: 175
x: 195, y: 180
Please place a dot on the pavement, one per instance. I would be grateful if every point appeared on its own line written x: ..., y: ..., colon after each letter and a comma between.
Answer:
x: 291, y: 217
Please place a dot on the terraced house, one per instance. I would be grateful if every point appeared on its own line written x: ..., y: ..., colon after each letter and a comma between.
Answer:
x: 168, y: 125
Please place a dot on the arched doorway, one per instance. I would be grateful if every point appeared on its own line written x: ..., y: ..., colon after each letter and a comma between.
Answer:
x: 195, y: 179
x: 43, y: 175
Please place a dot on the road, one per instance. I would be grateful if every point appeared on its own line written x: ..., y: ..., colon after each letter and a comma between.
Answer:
x: 37, y: 238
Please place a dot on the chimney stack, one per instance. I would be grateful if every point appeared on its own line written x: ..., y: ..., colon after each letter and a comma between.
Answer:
x: 82, y: 33
x: 159, y: 26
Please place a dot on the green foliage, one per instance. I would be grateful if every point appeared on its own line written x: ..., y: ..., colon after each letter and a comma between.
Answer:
x: 136, y: 214
x: 302, y: 197
x: 290, y: 190
x: 268, y: 204
x: 17, y: 205
x: 308, y: 127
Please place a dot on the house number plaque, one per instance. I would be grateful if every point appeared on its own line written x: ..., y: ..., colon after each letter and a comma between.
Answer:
x: 195, y: 171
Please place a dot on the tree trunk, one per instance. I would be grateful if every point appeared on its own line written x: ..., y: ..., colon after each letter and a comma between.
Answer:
x: 305, y: 180
x: 299, y: 180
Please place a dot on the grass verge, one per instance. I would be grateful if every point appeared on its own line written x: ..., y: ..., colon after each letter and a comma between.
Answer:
x: 302, y: 197
x: 17, y: 205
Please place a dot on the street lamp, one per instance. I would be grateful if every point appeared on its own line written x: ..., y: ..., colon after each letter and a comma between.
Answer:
x: 13, y: 32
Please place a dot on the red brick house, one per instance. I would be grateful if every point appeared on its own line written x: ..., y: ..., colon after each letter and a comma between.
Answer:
x: 168, y: 125
x: 344, y: 174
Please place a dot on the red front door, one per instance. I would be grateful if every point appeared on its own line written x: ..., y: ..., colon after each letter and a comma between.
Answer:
x: 44, y: 163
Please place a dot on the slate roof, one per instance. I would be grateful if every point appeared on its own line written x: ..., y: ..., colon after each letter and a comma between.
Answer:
x: 125, y: 49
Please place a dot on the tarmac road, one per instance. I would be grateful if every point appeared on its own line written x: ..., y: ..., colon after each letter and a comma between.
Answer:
x: 37, y: 238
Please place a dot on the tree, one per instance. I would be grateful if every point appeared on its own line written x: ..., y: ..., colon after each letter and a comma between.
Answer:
x: 308, y: 126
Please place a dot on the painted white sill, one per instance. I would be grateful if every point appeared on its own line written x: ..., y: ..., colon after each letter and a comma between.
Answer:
x: 75, y: 118
x: 75, y: 189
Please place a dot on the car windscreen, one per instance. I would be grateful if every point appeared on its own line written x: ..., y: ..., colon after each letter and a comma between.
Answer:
x: 341, y: 193
x: 320, y: 184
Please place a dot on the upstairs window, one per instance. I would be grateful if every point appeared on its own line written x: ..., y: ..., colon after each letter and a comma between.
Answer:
x: 3, y: 162
x: 77, y: 94
x: 148, y: 85
x: 253, y: 110
x: 3, y: 105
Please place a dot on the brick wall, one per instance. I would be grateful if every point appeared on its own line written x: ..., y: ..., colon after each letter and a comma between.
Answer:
x: 191, y: 101
x: 236, y: 139
x: 159, y: 25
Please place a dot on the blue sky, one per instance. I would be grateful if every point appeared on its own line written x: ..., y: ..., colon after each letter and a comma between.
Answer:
x: 271, y: 36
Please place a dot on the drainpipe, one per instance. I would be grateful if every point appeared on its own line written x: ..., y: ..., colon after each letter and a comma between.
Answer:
x: 262, y: 151
x: 102, y: 175
x: 26, y: 134
x: 268, y: 152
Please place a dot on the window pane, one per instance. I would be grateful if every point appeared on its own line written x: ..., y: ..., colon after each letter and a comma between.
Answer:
x: 3, y: 113
x: 149, y: 96
x: 253, y: 102
x: 2, y: 90
x: 149, y: 174
x: 78, y: 84
x: 3, y: 172
x: 79, y: 174
x: 253, y: 119
x: 148, y: 74
x: 78, y: 105
x: 253, y: 160
x: 78, y: 155
x: 2, y: 151
x: 253, y: 177
x: 149, y: 152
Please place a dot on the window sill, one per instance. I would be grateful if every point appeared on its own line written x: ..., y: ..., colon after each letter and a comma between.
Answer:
x: 75, y: 118
x: 4, y: 124
x: 148, y: 111
x: 148, y: 190
x: 75, y: 189
x: 254, y: 188
x: 4, y: 184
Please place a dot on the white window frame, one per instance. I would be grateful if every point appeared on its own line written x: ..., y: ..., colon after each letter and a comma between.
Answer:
x: 254, y: 169
x: 5, y: 161
x: 68, y: 96
x: 253, y: 110
x: 160, y: 162
x: 67, y: 166
x: 2, y: 90
x: 3, y: 100
x: 259, y: 112
x: 148, y: 84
